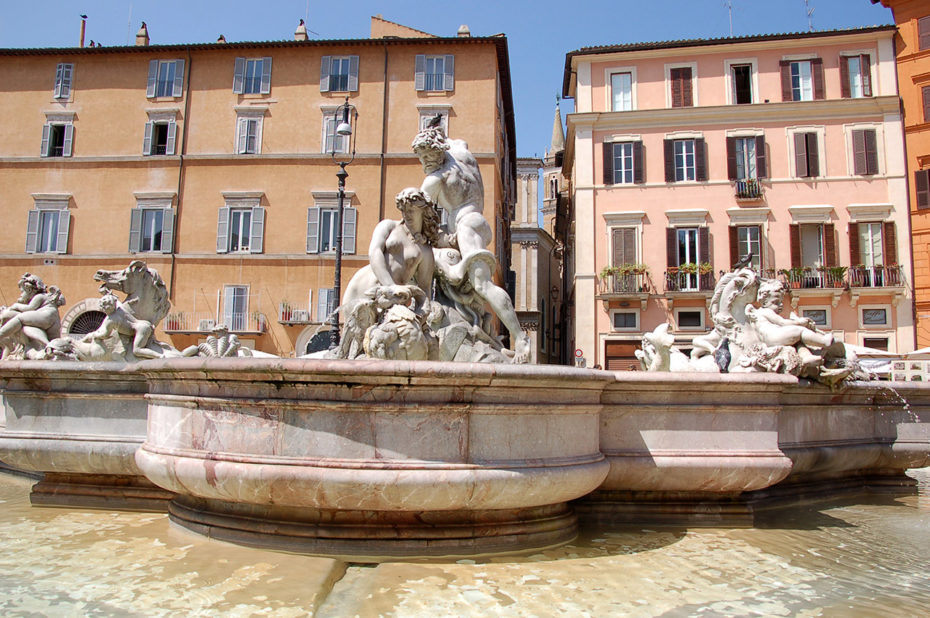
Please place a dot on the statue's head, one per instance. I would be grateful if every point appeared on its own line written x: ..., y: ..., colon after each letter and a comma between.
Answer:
x: 771, y: 292
x: 31, y: 284
x: 220, y: 330
x: 412, y: 199
x: 430, y: 146
x: 108, y: 303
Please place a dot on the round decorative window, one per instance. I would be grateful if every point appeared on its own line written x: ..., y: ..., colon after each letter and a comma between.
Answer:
x: 87, y: 322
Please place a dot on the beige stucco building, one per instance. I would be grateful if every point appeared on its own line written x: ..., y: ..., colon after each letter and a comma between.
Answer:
x: 211, y: 162
x: 684, y: 156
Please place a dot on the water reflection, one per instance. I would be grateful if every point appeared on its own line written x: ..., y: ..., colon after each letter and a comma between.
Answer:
x: 852, y: 557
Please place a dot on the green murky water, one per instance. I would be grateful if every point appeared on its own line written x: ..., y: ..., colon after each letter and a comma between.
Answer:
x: 869, y: 557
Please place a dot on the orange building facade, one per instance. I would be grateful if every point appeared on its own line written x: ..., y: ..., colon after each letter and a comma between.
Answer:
x: 912, y: 47
x: 211, y: 163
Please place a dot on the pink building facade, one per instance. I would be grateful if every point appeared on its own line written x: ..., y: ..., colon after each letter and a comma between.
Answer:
x: 685, y: 156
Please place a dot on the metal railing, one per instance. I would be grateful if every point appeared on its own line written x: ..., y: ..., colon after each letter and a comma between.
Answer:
x: 748, y: 189
x: 874, y: 276
x: 627, y: 283
x: 814, y: 279
x: 203, y: 322
x: 291, y: 313
x: 677, y: 281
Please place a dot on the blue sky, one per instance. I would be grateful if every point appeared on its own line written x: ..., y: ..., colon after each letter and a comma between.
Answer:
x: 539, y: 32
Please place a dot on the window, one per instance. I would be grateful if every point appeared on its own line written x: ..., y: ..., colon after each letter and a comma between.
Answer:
x: 741, y: 79
x: 812, y: 244
x: 806, y: 155
x: 623, y: 163
x: 625, y: 320
x: 922, y: 184
x: 241, y: 226
x: 339, y: 74
x: 680, y: 87
x: 820, y: 317
x: 802, y: 80
x: 746, y: 157
x: 865, y: 152
x: 236, y: 307
x: 621, y: 92
x: 812, y: 249
x: 428, y: 114
x: 923, y: 33
x: 925, y: 94
x: 160, y: 133
x: 876, y: 343
x: 689, y: 318
x: 249, y: 131
x: 47, y: 227
x: 434, y: 73
x: 870, y: 244
x: 166, y: 78
x: 151, y: 226
x: 855, y: 76
x: 623, y: 245
x: 332, y: 142
x: 252, y: 76
x: 874, y: 316
x: 684, y: 160
x: 63, y: 76
x: 746, y: 239
x: 873, y: 245
x: 326, y: 305
x: 57, y: 138
x: 321, y: 229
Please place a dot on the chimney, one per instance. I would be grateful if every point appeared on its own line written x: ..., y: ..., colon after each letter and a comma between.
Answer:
x: 83, y: 28
x: 463, y: 31
x: 221, y: 39
x: 301, y: 33
x: 142, y: 37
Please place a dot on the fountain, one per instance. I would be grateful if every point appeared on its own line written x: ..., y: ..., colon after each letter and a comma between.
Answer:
x: 421, y: 435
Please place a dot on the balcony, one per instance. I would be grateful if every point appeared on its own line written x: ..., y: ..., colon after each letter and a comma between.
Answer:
x: 748, y: 190
x: 203, y: 322
x: 812, y: 278
x: 623, y: 283
x: 875, y: 276
x: 679, y: 280
x: 290, y: 313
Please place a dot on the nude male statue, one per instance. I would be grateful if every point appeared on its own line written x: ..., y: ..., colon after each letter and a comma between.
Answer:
x: 127, y: 326
x: 453, y: 180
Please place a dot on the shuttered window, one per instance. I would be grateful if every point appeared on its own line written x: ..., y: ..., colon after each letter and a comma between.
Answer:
x: 47, y: 230
x: 240, y: 230
x: 923, y: 33
x: 326, y: 304
x: 623, y: 163
x: 802, y: 80
x: 855, y: 76
x: 684, y: 160
x: 681, y: 89
x: 252, y: 75
x: 865, y: 152
x: 925, y: 94
x: 63, y: 75
x: 160, y: 138
x: 321, y: 230
x: 746, y: 239
x: 339, y: 74
x: 922, y: 184
x: 166, y: 78
x: 806, y: 155
x: 746, y: 157
x: 623, y: 241
x: 249, y: 135
x: 151, y: 230
x: 57, y: 140
x: 434, y: 73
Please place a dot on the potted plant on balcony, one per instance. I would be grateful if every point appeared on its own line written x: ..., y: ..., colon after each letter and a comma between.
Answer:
x: 286, y: 311
x: 836, y: 275
x: 796, y: 275
x: 688, y: 268
x: 705, y: 268
x: 608, y: 271
x: 173, y: 321
x: 640, y: 269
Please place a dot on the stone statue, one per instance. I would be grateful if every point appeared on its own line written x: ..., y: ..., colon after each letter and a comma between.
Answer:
x: 28, y: 325
x: 135, y: 334
x: 453, y: 181
x: 750, y: 337
x: 146, y: 292
x: 219, y: 344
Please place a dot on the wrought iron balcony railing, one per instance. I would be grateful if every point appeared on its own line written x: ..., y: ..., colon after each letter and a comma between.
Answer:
x: 203, y: 322
x: 875, y: 276
x: 748, y: 189
x: 814, y: 279
x: 627, y: 283
x: 677, y: 281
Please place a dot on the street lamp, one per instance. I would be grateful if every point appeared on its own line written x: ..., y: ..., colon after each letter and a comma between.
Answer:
x: 343, y: 133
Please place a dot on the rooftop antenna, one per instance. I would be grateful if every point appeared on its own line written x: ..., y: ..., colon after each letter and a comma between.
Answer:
x: 810, y: 15
x: 307, y: 19
x: 729, y: 5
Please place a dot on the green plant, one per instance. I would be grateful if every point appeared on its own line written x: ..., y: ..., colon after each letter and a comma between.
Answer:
x: 705, y: 268
x: 837, y: 272
x: 608, y: 271
x: 689, y: 268
x: 640, y: 269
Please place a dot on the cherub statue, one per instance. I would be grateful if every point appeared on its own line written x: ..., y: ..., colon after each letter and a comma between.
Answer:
x: 28, y: 325
x: 135, y: 334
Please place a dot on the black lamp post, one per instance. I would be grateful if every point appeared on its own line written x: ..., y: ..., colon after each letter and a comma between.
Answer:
x: 343, y: 128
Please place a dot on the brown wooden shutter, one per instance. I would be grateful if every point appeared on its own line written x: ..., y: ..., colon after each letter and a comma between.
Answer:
x: 845, y: 86
x: 922, y: 184
x: 923, y: 33
x: 817, y: 76
x: 687, y: 99
x: 639, y: 176
x: 675, y: 77
x: 734, y: 245
x: 731, y: 158
x: 794, y: 236
x: 865, y: 66
x: 813, y: 155
x: 785, y: 80
x: 800, y: 155
x: 669, y: 160
x: 703, y: 244
x: 889, y: 243
x: 761, y: 168
x: 855, y: 258
x: 624, y: 246
x: 671, y: 247
x: 608, y: 163
x: 860, y: 166
x: 829, y: 244
x: 871, y: 152
x: 700, y: 160
x: 926, y: 96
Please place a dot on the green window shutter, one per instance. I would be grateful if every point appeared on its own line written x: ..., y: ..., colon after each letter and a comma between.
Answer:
x: 348, y: 230
x: 243, y: 135
x: 32, y: 231
x: 222, y: 231
x: 178, y: 89
x: 135, y: 230
x: 325, y: 67
x: 167, y: 231
x: 153, y: 76
x: 172, y: 138
x: 449, y: 79
x: 266, y: 75
x: 46, y: 131
x: 239, y: 76
x: 353, y: 73
x: 419, y: 80
x: 69, y: 140
x: 64, y: 223
x: 147, y: 140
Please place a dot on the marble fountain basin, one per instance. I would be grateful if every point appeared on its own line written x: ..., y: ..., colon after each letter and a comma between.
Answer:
x: 377, y: 459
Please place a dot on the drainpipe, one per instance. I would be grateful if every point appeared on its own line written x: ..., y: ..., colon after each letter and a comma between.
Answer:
x: 384, y: 109
x: 177, y: 217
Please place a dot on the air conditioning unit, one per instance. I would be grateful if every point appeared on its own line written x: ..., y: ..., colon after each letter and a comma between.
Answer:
x: 206, y: 325
x: 300, y: 315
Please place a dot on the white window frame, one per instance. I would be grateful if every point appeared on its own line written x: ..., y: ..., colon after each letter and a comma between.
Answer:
x: 827, y: 308
x: 821, y: 132
x: 626, y: 329
x: 746, y: 158
x: 428, y: 112
x: 810, y: 68
x: 64, y: 78
x: 229, y: 313
x: 754, y: 77
x: 879, y: 147
x: 244, y: 117
x: 889, y: 317
x: 58, y: 119
x: 694, y: 82
x: 160, y: 117
x: 685, y: 168
x: 873, y: 69
x: 703, y: 313
x: 329, y: 122
x: 328, y: 201
x: 623, y: 170
x: 240, y: 201
x: 326, y: 297
x: 351, y: 74
x: 757, y: 255
x: 146, y: 202
x: 240, y: 71
x: 621, y: 220
x: 608, y: 83
x: 420, y: 72
x: 177, y: 82
x: 44, y: 204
